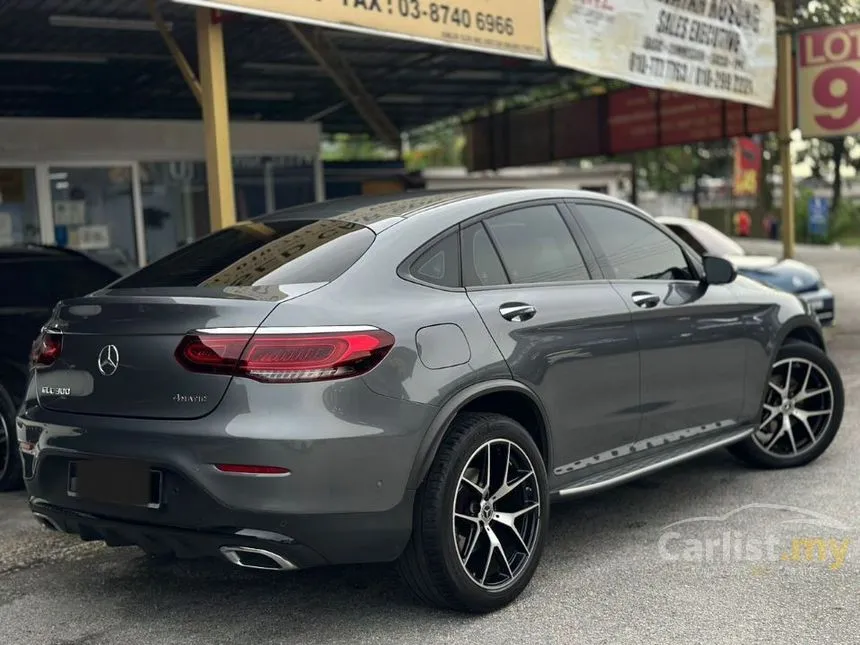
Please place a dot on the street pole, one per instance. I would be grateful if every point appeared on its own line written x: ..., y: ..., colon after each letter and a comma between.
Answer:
x: 216, y: 120
x: 785, y: 83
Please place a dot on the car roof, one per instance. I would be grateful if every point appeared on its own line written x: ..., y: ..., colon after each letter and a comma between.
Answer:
x: 45, y: 252
x: 372, y: 209
x: 681, y: 221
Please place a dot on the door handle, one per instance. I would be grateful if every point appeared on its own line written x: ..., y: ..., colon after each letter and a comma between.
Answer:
x: 517, y: 311
x: 645, y: 300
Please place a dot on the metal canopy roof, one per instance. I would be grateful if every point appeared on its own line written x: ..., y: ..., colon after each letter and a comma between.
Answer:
x: 50, y: 70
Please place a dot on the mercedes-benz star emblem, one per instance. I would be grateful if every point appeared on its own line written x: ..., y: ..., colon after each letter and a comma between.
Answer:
x: 108, y: 360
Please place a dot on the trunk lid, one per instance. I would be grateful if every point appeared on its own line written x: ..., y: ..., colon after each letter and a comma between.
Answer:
x: 117, y: 356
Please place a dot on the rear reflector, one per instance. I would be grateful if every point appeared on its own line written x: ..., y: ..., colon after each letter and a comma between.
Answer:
x: 46, y: 349
x: 292, y: 358
x: 238, y: 469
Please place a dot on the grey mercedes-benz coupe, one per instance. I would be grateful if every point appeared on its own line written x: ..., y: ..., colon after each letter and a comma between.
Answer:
x: 411, y: 377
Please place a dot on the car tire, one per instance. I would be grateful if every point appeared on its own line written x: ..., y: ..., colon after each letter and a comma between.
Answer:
x: 448, y: 554
x: 10, y: 461
x: 811, y: 371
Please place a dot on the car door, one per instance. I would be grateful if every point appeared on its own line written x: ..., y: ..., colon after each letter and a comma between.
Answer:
x: 567, y: 336
x: 691, y: 335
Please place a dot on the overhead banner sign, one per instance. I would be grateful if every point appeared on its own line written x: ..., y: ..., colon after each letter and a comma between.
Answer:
x: 714, y: 48
x: 828, y: 81
x: 508, y: 27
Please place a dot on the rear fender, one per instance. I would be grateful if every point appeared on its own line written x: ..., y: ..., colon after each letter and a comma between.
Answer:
x: 438, y: 428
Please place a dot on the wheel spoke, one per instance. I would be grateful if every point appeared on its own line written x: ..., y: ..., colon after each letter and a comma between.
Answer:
x: 777, y: 389
x: 472, y: 485
x: 806, y: 378
x: 507, y: 488
x: 804, y: 395
x: 490, y: 552
x: 790, y: 432
x: 468, y: 518
x: 805, y: 421
x: 488, y: 480
x: 473, y: 542
x: 497, y: 546
x: 787, y: 386
x: 772, y: 413
x: 786, y: 426
x: 509, y: 520
x: 812, y: 413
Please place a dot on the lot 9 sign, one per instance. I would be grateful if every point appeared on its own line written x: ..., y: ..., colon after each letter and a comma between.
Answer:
x: 508, y: 27
x: 828, y: 81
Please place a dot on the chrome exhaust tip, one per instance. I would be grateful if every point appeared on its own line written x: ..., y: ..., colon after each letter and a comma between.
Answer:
x: 47, y: 522
x: 250, y: 558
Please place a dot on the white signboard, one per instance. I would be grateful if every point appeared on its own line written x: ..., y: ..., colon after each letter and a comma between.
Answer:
x: 5, y: 225
x: 93, y: 238
x: 70, y: 212
x: 716, y: 48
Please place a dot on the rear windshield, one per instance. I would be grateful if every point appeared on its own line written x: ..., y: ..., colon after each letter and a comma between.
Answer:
x: 258, y: 254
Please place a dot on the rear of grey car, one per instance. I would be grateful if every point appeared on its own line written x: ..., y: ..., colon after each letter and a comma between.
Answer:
x: 245, y: 397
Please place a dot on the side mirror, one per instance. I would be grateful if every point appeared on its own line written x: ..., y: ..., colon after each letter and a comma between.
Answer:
x: 718, y: 270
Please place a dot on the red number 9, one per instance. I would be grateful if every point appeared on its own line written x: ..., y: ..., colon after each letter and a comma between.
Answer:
x: 844, y: 106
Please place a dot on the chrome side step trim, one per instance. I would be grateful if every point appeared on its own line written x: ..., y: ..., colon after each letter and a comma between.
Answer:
x: 644, y: 470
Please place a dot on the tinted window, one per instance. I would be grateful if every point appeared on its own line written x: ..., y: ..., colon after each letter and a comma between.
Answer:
x: 536, y: 246
x: 714, y: 241
x: 687, y: 237
x: 481, y: 264
x: 258, y: 254
x: 42, y: 282
x: 440, y: 264
x: 634, y: 248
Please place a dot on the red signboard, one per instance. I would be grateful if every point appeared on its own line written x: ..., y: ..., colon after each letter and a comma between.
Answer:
x: 633, y: 120
x: 622, y: 122
x: 685, y: 118
x: 576, y: 129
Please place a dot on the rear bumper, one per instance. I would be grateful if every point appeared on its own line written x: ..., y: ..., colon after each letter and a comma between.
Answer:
x: 346, y: 499
x: 822, y: 303
x: 305, y: 542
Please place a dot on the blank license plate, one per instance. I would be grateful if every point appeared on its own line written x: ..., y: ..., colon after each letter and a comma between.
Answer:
x: 817, y: 305
x: 113, y: 482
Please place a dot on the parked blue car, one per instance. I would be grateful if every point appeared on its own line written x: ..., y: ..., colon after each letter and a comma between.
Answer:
x: 795, y: 277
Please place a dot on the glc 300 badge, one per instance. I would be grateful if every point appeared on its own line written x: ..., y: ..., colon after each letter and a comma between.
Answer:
x: 108, y: 360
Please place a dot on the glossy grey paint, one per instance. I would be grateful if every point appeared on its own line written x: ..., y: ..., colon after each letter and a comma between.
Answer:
x: 600, y: 375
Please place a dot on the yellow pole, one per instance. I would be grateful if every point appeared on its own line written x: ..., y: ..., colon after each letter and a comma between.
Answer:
x: 216, y: 120
x: 785, y: 81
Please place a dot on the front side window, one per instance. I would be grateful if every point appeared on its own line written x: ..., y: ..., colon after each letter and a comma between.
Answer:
x: 633, y: 248
x: 687, y: 237
x: 536, y: 246
x: 260, y: 254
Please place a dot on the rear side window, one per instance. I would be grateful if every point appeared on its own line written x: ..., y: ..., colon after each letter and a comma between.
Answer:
x: 536, y: 246
x: 481, y: 264
x: 440, y: 264
x: 260, y: 254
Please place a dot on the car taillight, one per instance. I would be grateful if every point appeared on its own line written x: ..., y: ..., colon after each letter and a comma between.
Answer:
x: 46, y: 349
x: 292, y: 358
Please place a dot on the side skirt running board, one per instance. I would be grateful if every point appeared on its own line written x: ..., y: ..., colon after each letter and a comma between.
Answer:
x: 634, y: 471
